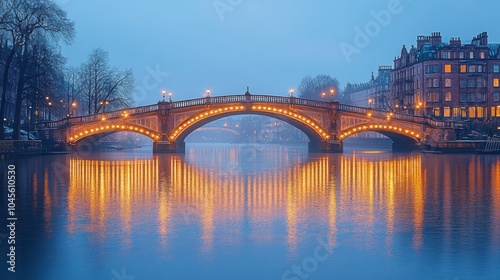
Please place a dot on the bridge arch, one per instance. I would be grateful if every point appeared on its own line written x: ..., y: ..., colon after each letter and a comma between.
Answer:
x: 84, y: 132
x: 314, y: 131
x: 403, y: 138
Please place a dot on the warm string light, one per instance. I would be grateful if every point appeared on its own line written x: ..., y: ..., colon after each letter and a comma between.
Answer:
x: 122, y: 127
x: 290, y: 114
x: 391, y: 128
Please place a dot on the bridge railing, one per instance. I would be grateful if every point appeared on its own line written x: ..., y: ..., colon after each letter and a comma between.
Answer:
x: 400, y: 116
x: 253, y: 98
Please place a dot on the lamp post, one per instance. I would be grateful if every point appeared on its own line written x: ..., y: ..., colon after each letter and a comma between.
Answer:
x: 291, y: 91
x: 323, y: 95
x: 73, y: 105
x: 50, y: 114
x: 332, y: 92
x: 104, y: 103
x: 208, y: 92
x: 370, y: 102
x: 163, y: 92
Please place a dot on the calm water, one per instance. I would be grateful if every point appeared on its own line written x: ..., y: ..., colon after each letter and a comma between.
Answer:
x: 255, y: 212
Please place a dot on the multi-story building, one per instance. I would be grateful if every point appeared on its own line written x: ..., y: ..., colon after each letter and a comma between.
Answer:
x: 375, y: 93
x: 452, y: 80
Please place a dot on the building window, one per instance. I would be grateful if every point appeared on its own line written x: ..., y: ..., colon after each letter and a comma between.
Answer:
x: 480, y: 82
x: 456, y: 112
x: 463, y: 112
x: 496, y: 96
x: 447, y: 82
x: 480, y: 68
x: 495, y: 111
x: 480, y: 112
x: 471, y: 97
x: 472, y: 112
x: 446, y: 112
x: 496, y: 82
x: 471, y: 69
x: 447, y: 68
x: 482, y: 55
x: 496, y: 68
x: 463, y: 97
x: 462, y: 55
x: 446, y: 55
x: 435, y: 82
x: 471, y: 83
x: 429, y: 69
x: 437, y: 111
x: 471, y: 55
x: 463, y: 68
x: 447, y: 96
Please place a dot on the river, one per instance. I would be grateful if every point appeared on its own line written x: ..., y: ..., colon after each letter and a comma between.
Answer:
x: 254, y: 211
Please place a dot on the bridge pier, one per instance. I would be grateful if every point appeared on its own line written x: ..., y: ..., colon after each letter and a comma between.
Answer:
x: 326, y: 147
x: 405, y: 147
x: 168, y: 147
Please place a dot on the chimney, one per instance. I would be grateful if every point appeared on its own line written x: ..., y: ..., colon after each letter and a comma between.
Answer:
x: 436, y: 39
x: 481, y: 39
x: 455, y: 41
x: 422, y: 40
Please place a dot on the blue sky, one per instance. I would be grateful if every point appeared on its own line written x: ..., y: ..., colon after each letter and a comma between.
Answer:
x: 225, y: 45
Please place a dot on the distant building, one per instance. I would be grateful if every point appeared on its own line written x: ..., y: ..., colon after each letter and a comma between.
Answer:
x: 374, y: 93
x: 448, y: 80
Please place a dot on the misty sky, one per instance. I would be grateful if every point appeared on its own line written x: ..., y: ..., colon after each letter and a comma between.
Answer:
x: 269, y: 45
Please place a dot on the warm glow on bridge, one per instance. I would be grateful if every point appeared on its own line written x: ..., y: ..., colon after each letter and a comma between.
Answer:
x: 266, y: 109
x: 113, y: 128
x: 383, y: 127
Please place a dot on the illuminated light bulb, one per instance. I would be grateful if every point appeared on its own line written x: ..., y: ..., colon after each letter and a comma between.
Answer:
x: 81, y: 134
x: 147, y: 132
x: 107, y: 127
x: 142, y: 130
x: 71, y: 138
x: 171, y: 137
x: 123, y: 127
x: 86, y: 132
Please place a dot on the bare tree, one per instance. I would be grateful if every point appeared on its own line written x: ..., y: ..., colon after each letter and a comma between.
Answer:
x: 314, y: 87
x: 102, y: 87
x: 21, y: 20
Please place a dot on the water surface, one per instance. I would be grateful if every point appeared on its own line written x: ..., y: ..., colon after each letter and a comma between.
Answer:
x: 256, y: 212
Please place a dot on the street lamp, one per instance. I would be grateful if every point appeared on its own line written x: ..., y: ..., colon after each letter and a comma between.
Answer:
x: 291, y: 91
x: 208, y: 92
x: 332, y: 92
x: 370, y: 101
x: 163, y: 92
x: 50, y: 114
x: 73, y: 105
x: 170, y: 97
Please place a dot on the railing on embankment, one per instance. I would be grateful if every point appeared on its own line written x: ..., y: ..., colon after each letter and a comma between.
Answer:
x: 20, y: 147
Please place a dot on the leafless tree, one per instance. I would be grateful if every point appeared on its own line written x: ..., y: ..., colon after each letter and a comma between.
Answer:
x: 102, y: 87
x: 314, y: 87
x: 20, y: 22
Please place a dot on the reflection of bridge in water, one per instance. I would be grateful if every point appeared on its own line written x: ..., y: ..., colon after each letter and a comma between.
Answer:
x: 355, y: 191
x: 326, y: 124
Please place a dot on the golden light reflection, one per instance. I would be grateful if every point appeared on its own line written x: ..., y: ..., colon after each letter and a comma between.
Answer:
x: 372, y: 185
x: 495, y: 211
x: 367, y: 195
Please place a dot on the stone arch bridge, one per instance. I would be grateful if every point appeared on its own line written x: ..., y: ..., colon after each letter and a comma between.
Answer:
x: 326, y: 124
